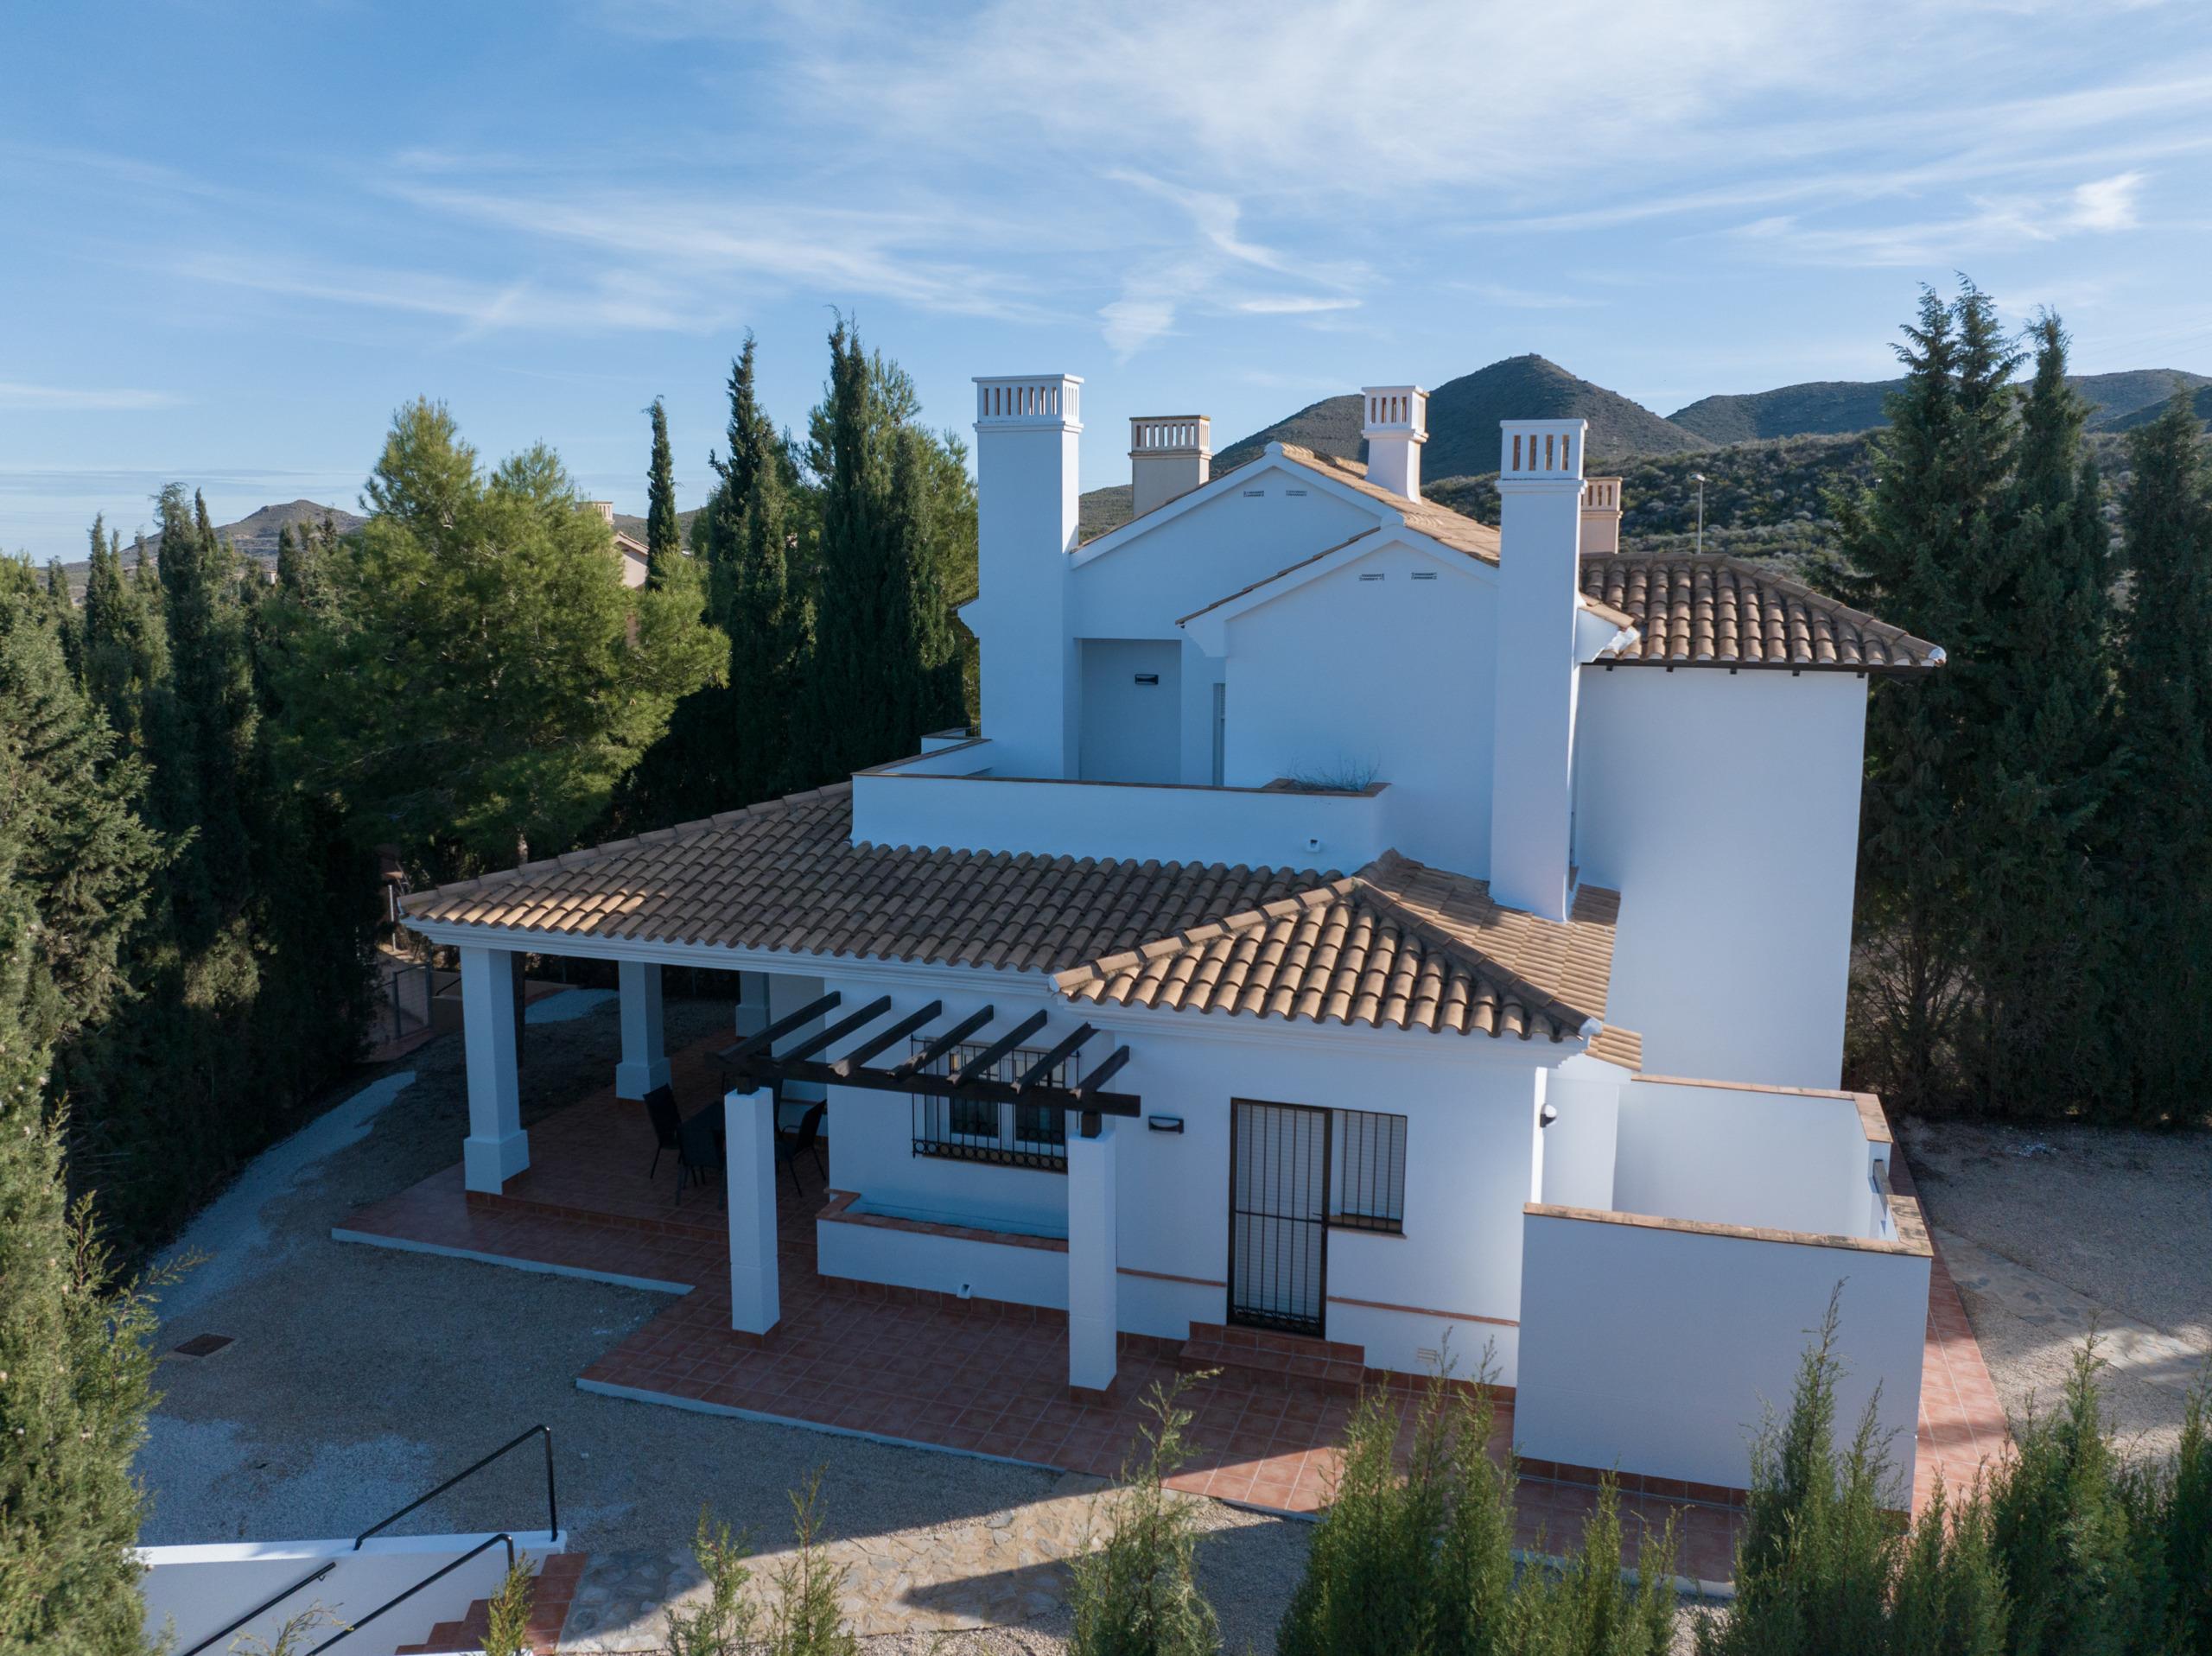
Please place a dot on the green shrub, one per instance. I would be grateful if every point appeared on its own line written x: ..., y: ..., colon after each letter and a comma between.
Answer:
x: 807, y: 1618
x: 2064, y: 1522
x: 726, y: 1621
x: 507, y: 1631
x: 1138, y: 1595
x: 1584, y: 1606
x: 1948, y: 1598
x: 1819, y: 1547
x: 2187, y: 1528
x: 1414, y: 1555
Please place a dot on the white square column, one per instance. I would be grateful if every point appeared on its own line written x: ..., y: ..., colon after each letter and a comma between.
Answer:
x: 497, y: 1148
x: 645, y: 1050
x: 1093, y: 1260
x: 749, y: 1157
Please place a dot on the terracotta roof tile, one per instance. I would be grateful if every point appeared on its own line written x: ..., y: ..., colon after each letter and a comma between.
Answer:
x: 1713, y: 611
x: 1397, y: 945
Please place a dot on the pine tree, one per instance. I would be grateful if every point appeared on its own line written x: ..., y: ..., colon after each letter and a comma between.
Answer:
x: 2163, y: 815
x: 1920, y: 542
x: 2040, y: 947
x: 483, y: 693
x: 68, y: 626
x: 664, y: 537
x: 75, y: 1369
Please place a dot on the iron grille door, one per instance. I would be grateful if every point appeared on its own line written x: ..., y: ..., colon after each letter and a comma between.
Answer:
x: 1278, y: 1216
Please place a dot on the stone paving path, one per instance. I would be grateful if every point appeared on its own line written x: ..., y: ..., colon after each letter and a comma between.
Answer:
x: 1003, y: 1569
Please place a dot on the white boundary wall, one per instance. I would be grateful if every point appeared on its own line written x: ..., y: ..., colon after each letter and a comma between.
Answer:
x: 1654, y: 1347
x: 199, y: 1588
x: 1743, y: 1156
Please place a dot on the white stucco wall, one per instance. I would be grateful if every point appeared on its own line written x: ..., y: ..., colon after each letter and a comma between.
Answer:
x: 1470, y: 1103
x: 1734, y: 1156
x: 1132, y: 728
x: 197, y: 1590
x: 1389, y: 678
x: 1577, y: 1151
x: 1138, y: 820
x: 1724, y: 808
x: 1656, y: 1351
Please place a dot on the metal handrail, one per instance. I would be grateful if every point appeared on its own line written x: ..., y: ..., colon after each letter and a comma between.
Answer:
x: 353, y: 1628
x: 265, y: 1604
x: 552, y: 1509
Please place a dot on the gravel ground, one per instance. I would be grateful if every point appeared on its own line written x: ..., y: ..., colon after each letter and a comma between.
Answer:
x: 360, y: 1377
x: 2052, y: 1230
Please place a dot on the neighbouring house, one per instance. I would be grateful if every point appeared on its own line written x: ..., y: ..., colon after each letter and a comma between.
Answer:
x: 636, y: 556
x: 1388, y: 933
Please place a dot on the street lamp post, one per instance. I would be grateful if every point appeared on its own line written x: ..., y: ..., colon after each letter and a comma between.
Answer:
x: 1698, y: 477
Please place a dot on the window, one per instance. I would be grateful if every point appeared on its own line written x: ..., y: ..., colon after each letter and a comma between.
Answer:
x: 1367, y: 1171
x: 980, y: 1130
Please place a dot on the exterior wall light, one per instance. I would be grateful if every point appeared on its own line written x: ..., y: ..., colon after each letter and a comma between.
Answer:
x: 1546, y: 1116
x: 1164, y: 1123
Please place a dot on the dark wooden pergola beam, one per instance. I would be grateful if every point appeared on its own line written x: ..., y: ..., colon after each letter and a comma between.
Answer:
x: 776, y: 1031
x: 875, y: 1043
x: 824, y: 1040
x: 990, y: 1054
x: 754, y: 1062
x: 915, y: 1063
x: 1041, y: 1071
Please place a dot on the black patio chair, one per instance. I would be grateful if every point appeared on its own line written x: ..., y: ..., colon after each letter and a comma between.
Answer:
x: 668, y: 1125
x: 802, y: 1142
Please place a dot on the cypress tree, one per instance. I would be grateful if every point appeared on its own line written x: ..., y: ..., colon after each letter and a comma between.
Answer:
x: 1892, y: 532
x: 883, y: 669
x: 126, y: 641
x: 663, y: 537
x: 2040, y: 945
x: 2163, y: 817
x: 75, y: 1369
x: 68, y: 626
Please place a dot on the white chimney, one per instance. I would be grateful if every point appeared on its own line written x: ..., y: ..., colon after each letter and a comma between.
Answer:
x: 1601, y: 515
x: 605, y: 510
x: 1398, y: 425
x: 1539, y: 523
x: 1027, y: 428
x: 1169, y: 456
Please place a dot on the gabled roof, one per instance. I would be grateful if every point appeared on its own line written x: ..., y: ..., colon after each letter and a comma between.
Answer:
x: 1713, y: 610
x: 1455, y: 529
x: 1398, y: 945
x: 1415, y: 948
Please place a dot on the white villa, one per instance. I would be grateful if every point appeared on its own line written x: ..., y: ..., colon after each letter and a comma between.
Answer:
x: 1395, y: 933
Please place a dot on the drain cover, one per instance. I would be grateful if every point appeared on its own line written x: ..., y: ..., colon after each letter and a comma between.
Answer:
x: 201, y: 1345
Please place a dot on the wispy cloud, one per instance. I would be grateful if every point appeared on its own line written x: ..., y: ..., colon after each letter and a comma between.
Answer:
x: 74, y: 398
x: 2100, y: 206
x: 1289, y: 305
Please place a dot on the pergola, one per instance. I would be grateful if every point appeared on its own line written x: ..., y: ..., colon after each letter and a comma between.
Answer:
x: 753, y: 1071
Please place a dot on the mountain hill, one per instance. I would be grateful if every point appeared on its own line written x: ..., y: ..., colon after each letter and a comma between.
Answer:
x: 1834, y: 406
x: 1463, y: 416
x: 2202, y: 402
x: 254, y: 535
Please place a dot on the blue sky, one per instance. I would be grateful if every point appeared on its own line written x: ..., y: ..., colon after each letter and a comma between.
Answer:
x: 237, y: 237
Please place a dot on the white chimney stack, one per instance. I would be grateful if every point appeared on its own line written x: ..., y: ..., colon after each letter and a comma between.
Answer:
x: 1169, y: 456
x: 605, y: 510
x: 1027, y: 429
x: 1398, y: 425
x: 1601, y: 515
x: 1540, y: 533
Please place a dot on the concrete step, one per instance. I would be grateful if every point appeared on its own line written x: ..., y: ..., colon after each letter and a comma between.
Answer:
x: 1265, y: 1356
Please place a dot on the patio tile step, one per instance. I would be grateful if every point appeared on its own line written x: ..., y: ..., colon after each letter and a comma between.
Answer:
x: 1263, y: 1357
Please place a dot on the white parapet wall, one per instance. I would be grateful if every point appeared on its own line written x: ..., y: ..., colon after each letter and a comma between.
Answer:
x: 1656, y: 1346
x: 1266, y: 828
x: 1785, y: 1158
x: 194, y: 1592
